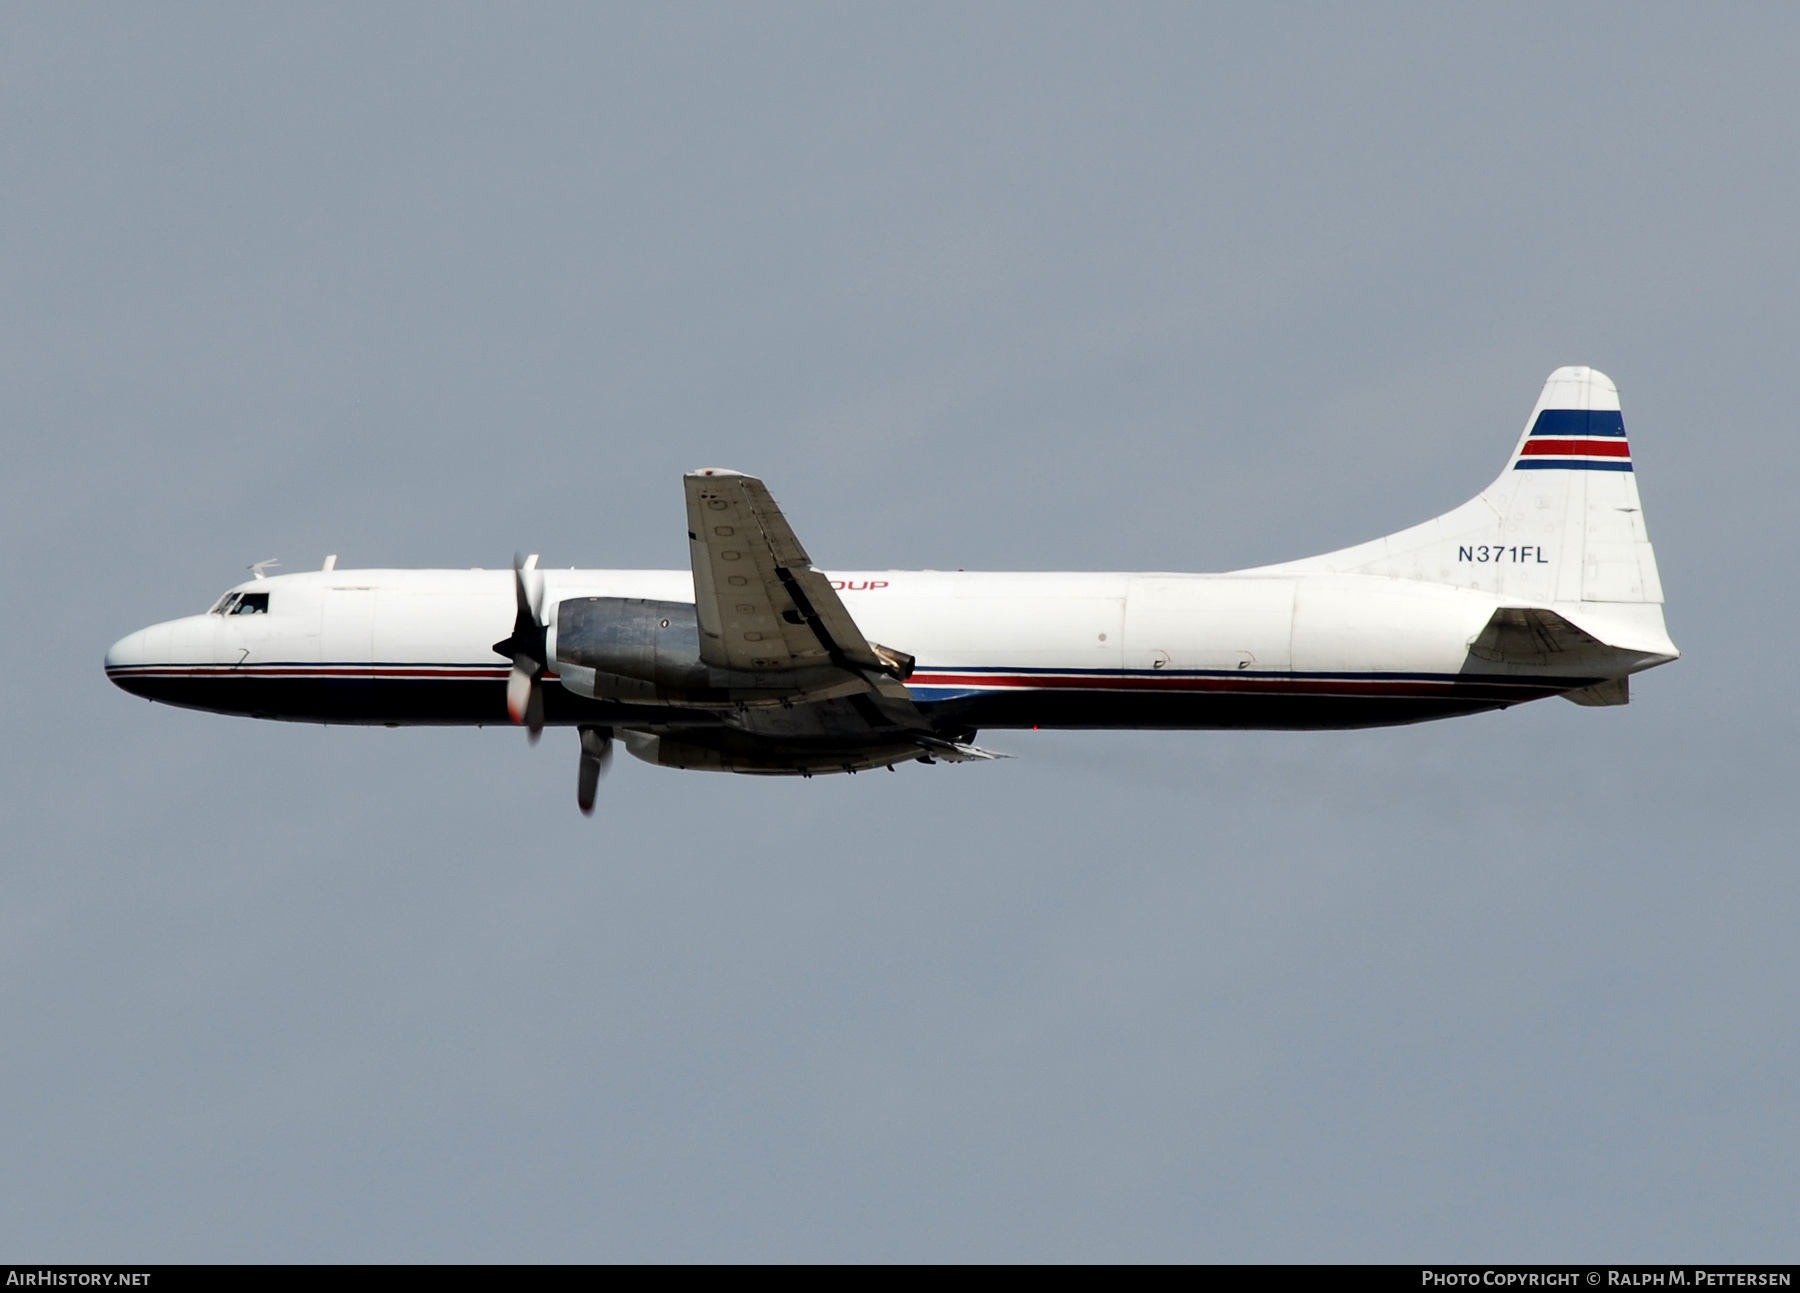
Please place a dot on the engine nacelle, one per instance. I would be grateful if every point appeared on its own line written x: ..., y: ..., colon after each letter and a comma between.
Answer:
x: 628, y: 648
x: 648, y: 652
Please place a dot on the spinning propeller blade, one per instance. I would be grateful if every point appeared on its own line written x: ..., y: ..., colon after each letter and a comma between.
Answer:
x: 596, y: 757
x: 527, y: 650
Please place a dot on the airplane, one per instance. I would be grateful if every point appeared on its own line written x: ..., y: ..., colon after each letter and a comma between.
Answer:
x: 757, y: 661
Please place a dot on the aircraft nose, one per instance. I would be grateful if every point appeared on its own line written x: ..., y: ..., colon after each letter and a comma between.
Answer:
x: 128, y: 651
x: 127, y: 657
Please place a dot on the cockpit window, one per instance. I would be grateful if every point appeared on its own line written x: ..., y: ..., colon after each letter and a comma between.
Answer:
x: 241, y: 604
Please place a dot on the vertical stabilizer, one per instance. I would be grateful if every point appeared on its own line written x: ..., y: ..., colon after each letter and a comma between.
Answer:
x: 1574, y: 458
x: 1561, y: 525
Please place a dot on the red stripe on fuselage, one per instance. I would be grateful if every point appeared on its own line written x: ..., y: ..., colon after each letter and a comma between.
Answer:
x: 1288, y: 685
x: 479, y: 673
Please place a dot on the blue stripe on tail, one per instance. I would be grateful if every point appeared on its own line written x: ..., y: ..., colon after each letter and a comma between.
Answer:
x: 1576, y: 423
x: 1573, y: 464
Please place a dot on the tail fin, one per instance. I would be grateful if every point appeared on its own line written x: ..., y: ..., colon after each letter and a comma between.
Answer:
x: 1562, y: 526
x: 1571, y: 480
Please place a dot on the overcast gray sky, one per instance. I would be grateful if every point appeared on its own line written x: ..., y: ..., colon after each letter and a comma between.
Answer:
x: 1036, y: 286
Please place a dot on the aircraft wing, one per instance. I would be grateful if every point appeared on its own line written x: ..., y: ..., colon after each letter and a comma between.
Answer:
x: 763, y: 607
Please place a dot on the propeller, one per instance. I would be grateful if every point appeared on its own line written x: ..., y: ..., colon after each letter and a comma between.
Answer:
x: 527, y: 650
x: 596, y: 757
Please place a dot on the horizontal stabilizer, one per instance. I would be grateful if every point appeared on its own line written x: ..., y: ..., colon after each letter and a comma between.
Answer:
x: 1614, y: 691
x: 1527, y: 639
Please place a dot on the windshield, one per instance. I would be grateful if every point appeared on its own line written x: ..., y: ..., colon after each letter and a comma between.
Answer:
x: 236, y: 603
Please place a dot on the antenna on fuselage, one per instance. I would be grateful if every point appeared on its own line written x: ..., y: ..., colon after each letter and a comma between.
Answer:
x: 330, y: 562
x: 258, y: 567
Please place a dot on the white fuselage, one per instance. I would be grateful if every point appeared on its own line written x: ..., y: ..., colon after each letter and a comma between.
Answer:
x: 755, y: 660
x: 1012, y: 649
